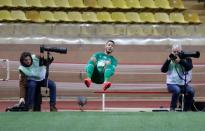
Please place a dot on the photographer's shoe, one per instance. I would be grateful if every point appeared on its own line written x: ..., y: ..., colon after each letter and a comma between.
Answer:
x: 87, y: 82
x: 106, y: 85
x: 172, y: 110
x: 53, y: 108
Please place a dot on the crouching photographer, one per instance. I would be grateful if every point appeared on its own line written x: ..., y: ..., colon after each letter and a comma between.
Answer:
x: 34, y: 70
x: 178, y: 67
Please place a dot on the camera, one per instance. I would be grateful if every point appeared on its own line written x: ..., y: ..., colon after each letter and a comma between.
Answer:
x: 53, y: 49
x: 183, y: 55
x: 17, y: 108
x: 195, y: 54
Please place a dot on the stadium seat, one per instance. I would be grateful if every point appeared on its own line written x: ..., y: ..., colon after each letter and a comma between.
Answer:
x: 147, y: 17
x: 121, y: 4
x: 91, y: 3
x: 135, y: 4
x: 61, y: 16
x: 6, y: 3
x: 34, y: 16
x: 104, y: 17
x: 150, y: 4
x: 48, y: 3
x: 177, y: 4
x: 162, y: 17
x: 192, y: 18
x: 105, y: 4
x: 133, y: 17
x: 90, y: 17
x: 119, y: 17
x: 62, y: 3
x: 19, y: 15
x: 48, y: 16
x: 5, y: 16
x: 177, y: 18
x: 75, y: 16
x: 163, y: 4
x: 76, y: 3
x: 19, y: 3
x: 35, y: 3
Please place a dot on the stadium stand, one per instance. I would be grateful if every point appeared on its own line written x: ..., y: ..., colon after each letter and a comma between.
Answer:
x: 61, y: 16
x: 6, y: 3
x: 104, y: 17
x: 177, y: 18
x: 133, y: 4
x: 62, y: 4
x: 192, y: 18
x: 18, y: 15
x: 76, y: 3
x: 91, y: 4
x: 90, y: 17
x: 148, y: 17
x: 119, y: 17
x: 121, y: 4
x: 149, y: 4
x: 35, y: 4
x: 163, y: 4
x: 162, y: 17
x: 105, y: 4
x: 177, y: 4
x: 133, y: 17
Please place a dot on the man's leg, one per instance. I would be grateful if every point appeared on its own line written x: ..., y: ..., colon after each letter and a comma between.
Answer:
x: 175, y: 90
x: 52, y: 91
x: 109, y: 71
x: 189, y: 98
x: 89, y: 71
x: 31, y: 88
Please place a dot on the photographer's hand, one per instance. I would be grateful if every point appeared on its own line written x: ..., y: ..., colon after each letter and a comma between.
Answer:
x: 177, y: 59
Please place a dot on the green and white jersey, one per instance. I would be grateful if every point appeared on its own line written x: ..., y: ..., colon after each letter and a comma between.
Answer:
x: 34, y: 72
x: 102, y: 59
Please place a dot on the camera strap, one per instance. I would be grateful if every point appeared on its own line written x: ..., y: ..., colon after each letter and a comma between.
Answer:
x: 184, y: 73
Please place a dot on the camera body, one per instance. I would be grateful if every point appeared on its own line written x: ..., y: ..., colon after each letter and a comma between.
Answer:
x: 183, y: 55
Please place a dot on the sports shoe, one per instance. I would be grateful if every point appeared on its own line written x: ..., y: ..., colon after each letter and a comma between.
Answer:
x: 53, y: 108
x: 87, y: 82
x: 172, y: 109
x: 106, y: 85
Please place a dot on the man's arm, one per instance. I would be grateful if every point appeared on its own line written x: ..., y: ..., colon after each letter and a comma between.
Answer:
x: 186, y: 63
x: 165, y: 66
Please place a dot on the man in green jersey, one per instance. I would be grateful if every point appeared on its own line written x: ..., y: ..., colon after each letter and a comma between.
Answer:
x: 101, y: 66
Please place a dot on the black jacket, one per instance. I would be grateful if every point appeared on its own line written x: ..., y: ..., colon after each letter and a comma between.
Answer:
x: 186, y: 63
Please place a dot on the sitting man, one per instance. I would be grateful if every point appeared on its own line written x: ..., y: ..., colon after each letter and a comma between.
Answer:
x: 179, y: 74
x: 101, y: 66
x: 32, y: 76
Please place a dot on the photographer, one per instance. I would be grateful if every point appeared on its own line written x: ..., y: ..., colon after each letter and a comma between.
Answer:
x: 32, y: 76
x: 179, y: 75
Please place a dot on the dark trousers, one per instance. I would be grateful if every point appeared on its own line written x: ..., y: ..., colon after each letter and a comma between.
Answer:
x: 176, y: 90
x: 33, y: 86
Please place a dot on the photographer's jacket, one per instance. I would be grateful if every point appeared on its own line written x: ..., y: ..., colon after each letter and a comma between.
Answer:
x: 178, y: 73
x: 34, y: 72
